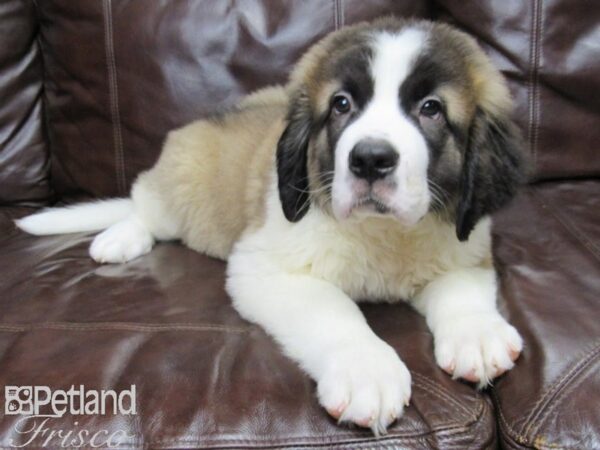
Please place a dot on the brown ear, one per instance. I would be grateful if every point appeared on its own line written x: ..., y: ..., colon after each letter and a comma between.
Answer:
x: 493, y: 167
x: 292, y: 155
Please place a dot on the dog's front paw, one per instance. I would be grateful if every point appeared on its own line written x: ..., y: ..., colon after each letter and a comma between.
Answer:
x: 122, y: 242
x: 477, y: 348
x: 367, y: 385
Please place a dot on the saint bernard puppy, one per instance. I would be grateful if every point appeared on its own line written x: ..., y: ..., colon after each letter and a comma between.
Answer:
x: 371, y: 175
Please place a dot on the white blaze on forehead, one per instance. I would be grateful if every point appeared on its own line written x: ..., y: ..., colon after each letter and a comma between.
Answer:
x: 394, y: 56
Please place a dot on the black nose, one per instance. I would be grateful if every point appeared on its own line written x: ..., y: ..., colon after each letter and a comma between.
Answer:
x: 372, y: 159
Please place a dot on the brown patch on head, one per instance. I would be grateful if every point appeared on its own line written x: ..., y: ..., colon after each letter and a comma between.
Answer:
x: 493, y: 164
x: 475, y: 159
x: 460, y: 105
x: 486, y: 85
x: 339, y: 62
x: 315, y: 71
x: 475, y: 105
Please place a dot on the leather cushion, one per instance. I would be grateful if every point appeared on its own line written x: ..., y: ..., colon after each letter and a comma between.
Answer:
x: 120, y: 75
x: 548, y: 249
x: 550, y: 54
x: 24, y: 158
x: 204, y: 377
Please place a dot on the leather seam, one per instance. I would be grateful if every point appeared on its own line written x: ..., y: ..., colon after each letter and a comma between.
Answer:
x: 435, y: 394
x: 538, y: 52
x: 519, y: 439
x: 317, y: 440
x: 533, y: 80
x: 571, y: 228
x: 335, y: 5
x: 114, y: 97
x: 509, y: 431
x: 443, y: 393
x: 119, y: 326
x: 519, y: 436
x: 545, y: 403
x: 43, y: 101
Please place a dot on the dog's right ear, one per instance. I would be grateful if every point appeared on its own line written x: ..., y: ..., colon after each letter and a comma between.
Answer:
x: 292, y: 156
x: 494, y: 167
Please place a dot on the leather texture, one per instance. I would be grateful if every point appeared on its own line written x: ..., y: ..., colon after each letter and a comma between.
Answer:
x: 93, y: 87
x: 121, y: 74
x: 207, y: 378
x: 204, y: 377
x: 548, y: 251
x: 549, y: 51
x: 24, y: 156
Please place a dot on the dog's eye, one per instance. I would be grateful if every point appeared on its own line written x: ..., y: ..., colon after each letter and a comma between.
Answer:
x: 342, y: 104
x: 431, y: 108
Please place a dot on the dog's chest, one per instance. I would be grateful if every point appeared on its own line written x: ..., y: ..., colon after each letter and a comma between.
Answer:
x: 377, y: 261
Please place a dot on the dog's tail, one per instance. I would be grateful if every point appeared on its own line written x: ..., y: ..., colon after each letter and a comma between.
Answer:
x: 93, y: 216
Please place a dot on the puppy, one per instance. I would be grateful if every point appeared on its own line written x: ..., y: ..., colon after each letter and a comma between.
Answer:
x: 371, y: 174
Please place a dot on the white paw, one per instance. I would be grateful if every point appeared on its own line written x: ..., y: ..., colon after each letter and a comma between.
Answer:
x: 367, y: 385
x: 477, y: 348
x: 121, y: 242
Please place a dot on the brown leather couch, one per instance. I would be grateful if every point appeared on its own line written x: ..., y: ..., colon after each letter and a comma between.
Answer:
x: 88, y: 90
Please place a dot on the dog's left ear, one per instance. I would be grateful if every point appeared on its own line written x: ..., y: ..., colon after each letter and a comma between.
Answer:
x: 494, y: 166
x: 292, y: 156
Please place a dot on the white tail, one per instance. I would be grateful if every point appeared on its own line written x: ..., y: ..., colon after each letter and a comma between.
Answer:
x: 93, y: 216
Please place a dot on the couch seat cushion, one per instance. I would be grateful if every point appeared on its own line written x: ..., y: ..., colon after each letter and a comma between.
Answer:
x: 204, y: 377
x: 548, y: 249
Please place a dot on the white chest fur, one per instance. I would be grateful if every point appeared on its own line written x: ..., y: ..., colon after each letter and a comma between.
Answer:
x: 372, y: 259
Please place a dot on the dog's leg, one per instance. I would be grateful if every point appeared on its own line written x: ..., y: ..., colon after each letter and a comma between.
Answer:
x: 360, y: 378
x: 135, y: 235
x: 472, y: 340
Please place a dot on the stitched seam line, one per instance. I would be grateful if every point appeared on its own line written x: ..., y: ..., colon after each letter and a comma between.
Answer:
x: 114, y: 97
x: 510, y: 432
x: 443, y: 393
x: 518, y: 439
x: 335, y: 4
x: 571, y: 228
x: 507, y: 428
x: 569, y: 385
x: 120, y: 326
x: 533, y: 80
x: 538, y: 52
x: 432, y: 392
x: 311, y: 441
x: 555, y: 388
x: 43, y: 101
x: 317, y: 440
x: 539, y: 411
x: 388, y: 441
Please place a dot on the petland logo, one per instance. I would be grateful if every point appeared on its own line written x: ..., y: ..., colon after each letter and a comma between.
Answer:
x: 41, y: 401
x: 40, y: 405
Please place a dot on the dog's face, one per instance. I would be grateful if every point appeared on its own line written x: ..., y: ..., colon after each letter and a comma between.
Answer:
x: 398, y: 119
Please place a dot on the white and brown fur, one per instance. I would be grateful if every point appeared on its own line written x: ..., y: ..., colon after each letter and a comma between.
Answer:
x: 267, y: 186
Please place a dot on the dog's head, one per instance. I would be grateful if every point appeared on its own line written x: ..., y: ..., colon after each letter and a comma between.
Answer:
x: 399, y: 119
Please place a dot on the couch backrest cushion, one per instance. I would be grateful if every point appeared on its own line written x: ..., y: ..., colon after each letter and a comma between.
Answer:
x: 118, y: 75
x: 550, y: 52
x: 24, y: 163
x: 121, y: 74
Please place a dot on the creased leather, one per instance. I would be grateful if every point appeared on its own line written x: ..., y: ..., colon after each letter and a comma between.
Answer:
x: 549, y: 51
x: 24, y: 157
x: 546, y: 248
x: 117, y: 75
x: 204, y: 376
